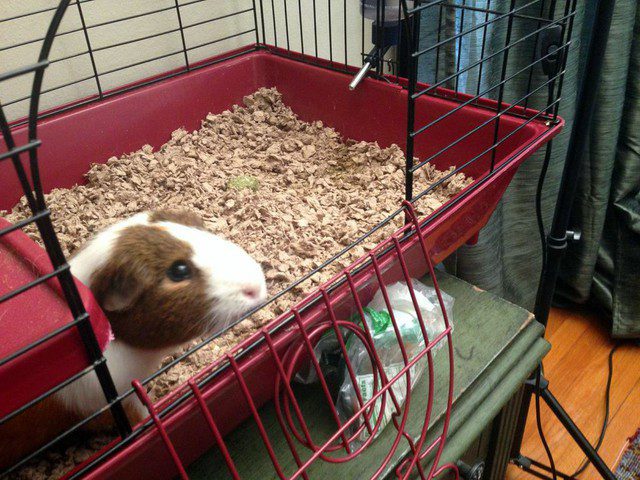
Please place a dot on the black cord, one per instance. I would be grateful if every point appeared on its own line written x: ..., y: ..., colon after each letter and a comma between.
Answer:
x: 543, y: 439
x: 605, y: 422
x: 540, y: 220
x: 540, y: 186
x: 543, y: 241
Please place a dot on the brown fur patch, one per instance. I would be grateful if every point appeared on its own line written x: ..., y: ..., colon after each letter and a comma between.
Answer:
x: 30, y: 430
x: 183, y: 217
x: 153, y: 316
x: 47, y: 419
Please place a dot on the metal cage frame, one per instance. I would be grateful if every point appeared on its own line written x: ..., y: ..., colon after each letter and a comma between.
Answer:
x: 403, y: 71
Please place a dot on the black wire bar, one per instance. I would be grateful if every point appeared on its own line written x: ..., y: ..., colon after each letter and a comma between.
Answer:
x: 40, y: 215
x: 285, y: 323
x: 309, y: 52
x: 96, y: 75
x: 498, y: 114
x: 91, y: 51
x: 438, y: 88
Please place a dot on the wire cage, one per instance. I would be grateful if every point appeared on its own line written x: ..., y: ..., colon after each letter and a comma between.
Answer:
x: 360, y: 66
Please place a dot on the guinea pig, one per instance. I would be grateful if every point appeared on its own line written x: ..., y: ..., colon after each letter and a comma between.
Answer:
x: 163, y: 281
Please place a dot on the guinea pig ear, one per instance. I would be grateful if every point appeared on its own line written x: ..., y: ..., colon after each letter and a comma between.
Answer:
x: 118, y: 286
x: 183, y: 217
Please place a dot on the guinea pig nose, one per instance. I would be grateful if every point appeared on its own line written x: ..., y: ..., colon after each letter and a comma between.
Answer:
x: 251, y: 292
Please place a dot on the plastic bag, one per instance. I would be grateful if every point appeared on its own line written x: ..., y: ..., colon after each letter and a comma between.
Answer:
x: 378, y: 319
x: 388, y: 348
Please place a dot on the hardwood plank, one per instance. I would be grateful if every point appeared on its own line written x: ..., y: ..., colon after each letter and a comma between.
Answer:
x: 621, y: 426
x: 573, y: 375
x: 577, y: 370
x: 553, y: 326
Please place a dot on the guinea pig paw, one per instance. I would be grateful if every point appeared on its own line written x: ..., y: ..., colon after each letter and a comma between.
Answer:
x: 136, y: 412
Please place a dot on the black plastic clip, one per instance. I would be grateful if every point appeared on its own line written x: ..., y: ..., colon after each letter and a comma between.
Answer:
x: 550, y: 49
x: 471, y: 472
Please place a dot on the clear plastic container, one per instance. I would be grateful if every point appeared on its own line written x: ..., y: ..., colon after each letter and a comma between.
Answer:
x: 329, y: 354
x: 392, y: 9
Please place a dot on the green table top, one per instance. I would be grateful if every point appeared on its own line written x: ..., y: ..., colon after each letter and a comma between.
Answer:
x: 496, y: 346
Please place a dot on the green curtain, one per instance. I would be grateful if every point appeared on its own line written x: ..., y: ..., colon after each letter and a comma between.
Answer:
x: 605, y: 266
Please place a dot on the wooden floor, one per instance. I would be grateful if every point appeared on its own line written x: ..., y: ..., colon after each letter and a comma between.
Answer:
x: 577, y: 371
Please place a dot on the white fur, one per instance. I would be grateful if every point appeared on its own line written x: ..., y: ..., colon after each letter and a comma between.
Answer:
x: 228, y: 269
x: 125, y: 363
x: 98, y: 250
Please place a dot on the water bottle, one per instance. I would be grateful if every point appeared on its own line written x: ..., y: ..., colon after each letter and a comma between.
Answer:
x: 392, y: 9
x: 385, y: 33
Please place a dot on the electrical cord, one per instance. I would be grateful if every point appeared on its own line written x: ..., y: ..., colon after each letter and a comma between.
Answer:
x: 540, y: 187
x: 605, y: 423
x: 541, y: 229
x: 540, y: 220
x: 543, y: 241
x: 543, y: 439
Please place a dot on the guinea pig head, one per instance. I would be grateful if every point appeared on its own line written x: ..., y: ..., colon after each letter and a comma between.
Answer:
x: 164, y: 280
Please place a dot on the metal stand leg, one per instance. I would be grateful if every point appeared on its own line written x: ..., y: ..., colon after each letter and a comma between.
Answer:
x: 557, y: 241
x: 561, y: 414
x: 577, y: 435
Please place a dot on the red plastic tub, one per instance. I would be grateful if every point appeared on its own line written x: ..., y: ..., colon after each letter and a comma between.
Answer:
x: 375, y: 111
x: 32, y: 315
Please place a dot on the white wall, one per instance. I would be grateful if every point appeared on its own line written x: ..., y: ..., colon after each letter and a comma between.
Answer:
x: 79, y: 69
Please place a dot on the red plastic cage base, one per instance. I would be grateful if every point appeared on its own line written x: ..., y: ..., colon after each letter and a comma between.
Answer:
x: 33, y: 315
x: 375, y: 111
x: 246, y: 380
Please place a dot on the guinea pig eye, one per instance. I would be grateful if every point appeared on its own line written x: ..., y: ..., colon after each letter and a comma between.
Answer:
x: 179, y: 271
